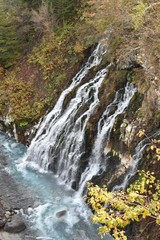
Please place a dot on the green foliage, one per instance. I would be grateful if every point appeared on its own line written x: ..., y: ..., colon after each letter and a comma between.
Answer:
x: 64, y: 9
x: 33, y: 3
x: 52, y: 60
x: 116, y: 210
x: 16, y: 31
x: 154, y: 148
x: 20, y: 100
x: 9, y: 44
x: 23, y: 123
x: 55, y: 54
x: 137, y: 14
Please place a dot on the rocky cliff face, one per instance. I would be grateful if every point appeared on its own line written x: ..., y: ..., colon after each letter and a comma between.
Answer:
x: 31, y: 88
x: 138, y: 65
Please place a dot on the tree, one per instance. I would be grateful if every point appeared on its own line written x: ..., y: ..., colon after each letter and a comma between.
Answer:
x: 116, y: 210
x: 33, y: 3
x: 9, y: 44
x: 64, y: 9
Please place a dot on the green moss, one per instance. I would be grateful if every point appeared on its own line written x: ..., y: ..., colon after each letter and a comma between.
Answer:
x: 23, y: 123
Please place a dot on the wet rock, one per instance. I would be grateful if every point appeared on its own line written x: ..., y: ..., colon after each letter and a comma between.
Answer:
x: 74, y: 185
x: 2, y: 213
x: 7, y: 214
x: 2, y: 223
x: 3, y: 160
x: 80, y: 234
x: 33, y: 238
x: 16, y: 225
x: 128, y: 131
x: 10, y: 189
x: 61, y: 213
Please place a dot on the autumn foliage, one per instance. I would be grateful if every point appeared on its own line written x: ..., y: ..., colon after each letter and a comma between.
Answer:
x: 116, y: 210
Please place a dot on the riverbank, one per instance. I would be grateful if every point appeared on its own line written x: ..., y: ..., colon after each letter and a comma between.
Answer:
x: 42, y: 199
x: 13, y: 197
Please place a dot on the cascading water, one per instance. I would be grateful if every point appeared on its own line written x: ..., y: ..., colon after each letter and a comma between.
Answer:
x: 59, y: 144
x: 41, y: 198
x: 139, y: 150
x: 60, y: 139
x: 133, y: 168
x: 45, y: 127
x: 71, y: 144
x: 60, y: 136
x: 96, y: 163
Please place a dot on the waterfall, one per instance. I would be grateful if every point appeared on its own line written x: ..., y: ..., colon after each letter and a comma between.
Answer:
x: 133, y: 169
x: 96, y: 163
x: 59, y: 141
x: 45, y: 127
x: 15, y: 132
x: 139, y: 150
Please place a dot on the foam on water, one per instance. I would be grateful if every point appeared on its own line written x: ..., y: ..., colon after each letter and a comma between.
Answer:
x: 60, y: 140
x: 50, y: 198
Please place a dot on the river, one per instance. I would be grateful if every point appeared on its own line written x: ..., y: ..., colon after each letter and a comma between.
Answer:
x: 45, y: 198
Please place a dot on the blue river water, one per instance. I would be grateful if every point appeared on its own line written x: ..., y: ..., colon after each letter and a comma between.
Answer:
x: 50, y: 197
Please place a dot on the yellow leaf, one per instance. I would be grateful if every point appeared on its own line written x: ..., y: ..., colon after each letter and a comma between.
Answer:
x: 141, y: 133
x: 152, y: 147
x: 158, y: 157
x: 158, y: 150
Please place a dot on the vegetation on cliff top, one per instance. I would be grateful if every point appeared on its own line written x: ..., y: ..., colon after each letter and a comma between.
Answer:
x: 8, y: 40
x: 43, y: 45
x: 48, y: 40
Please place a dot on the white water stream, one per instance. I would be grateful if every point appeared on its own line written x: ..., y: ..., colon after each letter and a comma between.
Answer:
x: 60, y: 135
x: 51, y: 118
x: 97, y: 164
x: 136, y: 158
x: 59, y: 144
x: 59, y: 141
x: 133, y: 168
x: 50, y: 198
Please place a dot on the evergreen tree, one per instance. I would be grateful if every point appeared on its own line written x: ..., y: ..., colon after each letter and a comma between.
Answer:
x: 33, y: 3
x: 9, y: 45
x: 64, y: 9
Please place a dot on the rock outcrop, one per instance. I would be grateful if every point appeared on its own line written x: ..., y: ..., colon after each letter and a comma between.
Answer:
x: 16, y: 224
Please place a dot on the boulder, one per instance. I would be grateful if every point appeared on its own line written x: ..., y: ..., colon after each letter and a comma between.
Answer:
x: 16, y: 225
x: 8, y: 214
x: 3, y: 160
x: 2, y: 223
x: 61, y: 213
